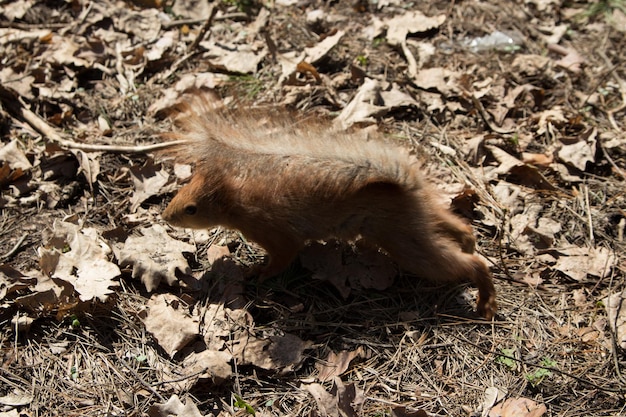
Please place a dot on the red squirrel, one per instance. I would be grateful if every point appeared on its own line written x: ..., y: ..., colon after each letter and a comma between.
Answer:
x: 283, y: 182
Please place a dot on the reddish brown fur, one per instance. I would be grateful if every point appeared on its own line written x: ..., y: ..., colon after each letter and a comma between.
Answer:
x: 282, y: 186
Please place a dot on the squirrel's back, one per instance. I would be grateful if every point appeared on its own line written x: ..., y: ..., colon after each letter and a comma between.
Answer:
x: 215, y: 133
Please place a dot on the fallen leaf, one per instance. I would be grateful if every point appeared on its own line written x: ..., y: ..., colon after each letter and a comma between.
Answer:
x: 216, y: 252
x: 208, y: 364
x: 366, y: 104
x: 155, y: 256
x: 12, y: 280
x: 400, y: 26
x: 169, y: 321
x: 518, y: 407
x: 441, y: 79
x: 582, y: 152
x: 14, y: 156
x: 280, y: 354
x: 336, y: 364
x: 148, y: 181
x: 577, y: 262
x: 342, y: 401
x: 174, y: 408
x: 321, y: 49
x: 80, y: 257
x: 16, y: 398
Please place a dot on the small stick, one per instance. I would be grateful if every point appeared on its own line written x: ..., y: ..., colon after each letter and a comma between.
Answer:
x: 18, y: 107
x: 15, y: 248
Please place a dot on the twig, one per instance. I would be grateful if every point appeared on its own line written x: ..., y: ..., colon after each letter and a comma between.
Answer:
x: 592, y: 238
x: 15, y: 248
x: 19, y: 109
x: 204, y: 29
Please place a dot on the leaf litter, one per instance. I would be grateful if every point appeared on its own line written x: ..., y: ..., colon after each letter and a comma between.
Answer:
x: 133, y: 317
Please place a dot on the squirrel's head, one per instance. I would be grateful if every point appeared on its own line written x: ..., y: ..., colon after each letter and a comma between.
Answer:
x: 191, y: 207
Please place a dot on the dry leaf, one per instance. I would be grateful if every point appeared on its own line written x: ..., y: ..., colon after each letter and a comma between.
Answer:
x: 518, y: 407
x: 13, y: 280
x: 336, y: 363
x: 582, y: 152
x: 148, y: 181
x: 365, y: 104
x: 342, y: 401
x: 155, y: 256
x: 220, y: 325
x: 216, y: 252
x: 320, y: 50
x: 79, y: 256
x: 208, y: 364
x: 16, y: 398
x: 174, y: 408
x: 577, y: 262
x: 170, y: 323
x: 242, y: 59
x: 441, y: 79
x: 400, y: 26
x: 280, y: 354
x: 326, y: 403
x: 14, y: 156
x: 518, y: 172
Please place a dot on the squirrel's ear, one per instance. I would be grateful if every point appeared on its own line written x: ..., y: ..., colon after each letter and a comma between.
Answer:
x: 191, y: 209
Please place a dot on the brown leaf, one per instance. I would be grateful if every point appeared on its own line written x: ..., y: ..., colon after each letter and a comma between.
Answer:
x: 577, y: 262
x: 148, y: 181
x: 169, y: 321
x: 518, y: 407
x: 13, y: 280
x: 582, y: 152
x: 400, y: 26
x: 155, y: 256
x: 208, y: 364
x: 277, y: 353
x: 174, y: 408
x: 79, y: 256
x: 336, y: 363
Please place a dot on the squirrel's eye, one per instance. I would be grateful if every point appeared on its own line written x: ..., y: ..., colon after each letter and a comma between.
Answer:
x: 190, y: 210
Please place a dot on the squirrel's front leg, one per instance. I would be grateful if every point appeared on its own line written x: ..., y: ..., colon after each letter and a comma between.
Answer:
x: 281, y: 251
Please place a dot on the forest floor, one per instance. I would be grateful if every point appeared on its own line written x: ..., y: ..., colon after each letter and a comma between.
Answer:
x: 517, y: 109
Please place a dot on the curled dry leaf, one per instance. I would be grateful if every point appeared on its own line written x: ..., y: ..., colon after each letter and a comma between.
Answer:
x: 174, y: 407
x: 363, y: 106
x: 79, y: 256
x: 12, y: 280
x: 148, y: 181
x: 170, y: 323
x: 400, y: 26
x: 155, y: 256
x: 581, y: 152
x: 337, y: 363
x: 344, y: 400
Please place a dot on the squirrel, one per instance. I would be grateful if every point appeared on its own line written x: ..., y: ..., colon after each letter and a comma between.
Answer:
x: 283, y: 182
